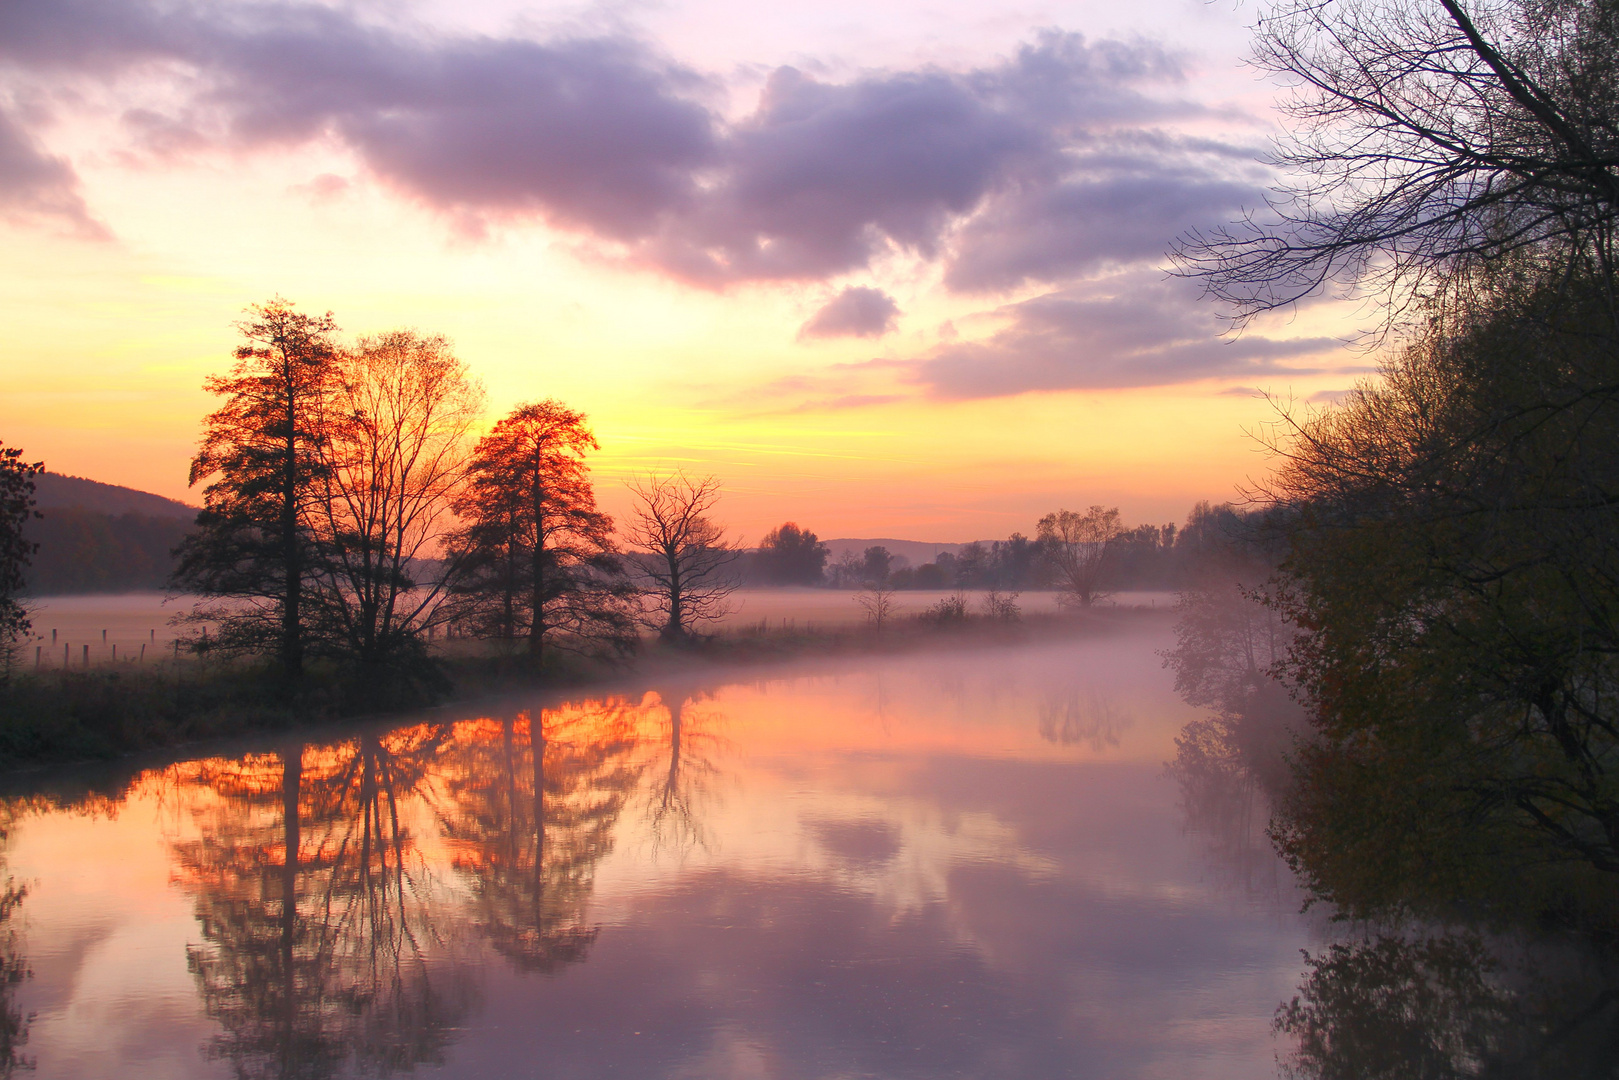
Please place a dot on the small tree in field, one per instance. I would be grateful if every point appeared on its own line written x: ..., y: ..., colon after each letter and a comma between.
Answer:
x: 1077, y: 547
x: 686, y: 555
x: 16, y: 507
x: 263, y: 453
x: 536, y: 558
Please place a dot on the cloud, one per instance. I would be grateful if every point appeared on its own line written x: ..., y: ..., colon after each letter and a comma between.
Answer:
x: 1131, y: 330
x: 35, y: 186
x: 1043, y: 165
x: 857, y: 311
x: 1117, y: 204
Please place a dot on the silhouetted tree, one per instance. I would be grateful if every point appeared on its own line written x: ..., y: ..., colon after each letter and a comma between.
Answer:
x: 394, y: 441
x: 1455, y: 559
x: 535, y: 555
x: 16, y: 550
x: 255, y: 544
x: 789, y: 555
x: 1077, y: 547
x: 1425, y: 140
x: 876, y: 564
x: 688, y: 559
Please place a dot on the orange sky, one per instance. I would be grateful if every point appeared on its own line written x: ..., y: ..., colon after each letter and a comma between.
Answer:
x: 1028, y: 362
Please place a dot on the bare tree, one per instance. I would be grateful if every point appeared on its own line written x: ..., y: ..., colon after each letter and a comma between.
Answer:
x: 686, y: 555
x: 1426, y: 139
x: 396, y: 443
x: 1077, y: 546
x: 877, y: 599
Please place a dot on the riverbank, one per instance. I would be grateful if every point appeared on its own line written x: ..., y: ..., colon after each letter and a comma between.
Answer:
x: 105, y: 712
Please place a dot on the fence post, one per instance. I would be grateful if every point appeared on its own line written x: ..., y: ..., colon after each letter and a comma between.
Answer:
x: 87, y: 656
x: 39, y: 652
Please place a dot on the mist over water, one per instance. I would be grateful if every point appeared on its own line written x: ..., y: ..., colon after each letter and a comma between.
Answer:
x: 955, y: 863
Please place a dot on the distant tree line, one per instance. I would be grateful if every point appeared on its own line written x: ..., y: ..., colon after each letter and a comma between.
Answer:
x: 1086, y: 554
x: 89, y: 551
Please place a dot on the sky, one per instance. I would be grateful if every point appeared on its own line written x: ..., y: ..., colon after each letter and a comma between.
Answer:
x: 888, y: 269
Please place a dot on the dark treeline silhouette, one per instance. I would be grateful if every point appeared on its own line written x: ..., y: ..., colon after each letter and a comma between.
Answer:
x: 1089, y: 554
x: 84, y: 551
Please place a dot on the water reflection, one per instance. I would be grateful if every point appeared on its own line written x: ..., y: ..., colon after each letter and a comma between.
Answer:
x: 683, y: 771
x: 923, y: 869
x: 317, y: 910
x: 14, y: 1023
x: 1454, y: 1005
x: 530, y: 809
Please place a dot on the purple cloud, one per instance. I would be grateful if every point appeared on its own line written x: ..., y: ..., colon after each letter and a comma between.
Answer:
x: 34, y: 186
x: 1130, y: 331
x: 857, y: 311
x: 1036, y: 168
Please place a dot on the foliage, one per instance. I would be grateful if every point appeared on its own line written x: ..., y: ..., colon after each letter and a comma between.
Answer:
x: 85, y: 551
x: 687, y: 560
x: 16, y: 550
x: 1455, y: 562
x: 255, y: 544
x: 1448, y: 1006
x: 789, y: 555
x: 534, y: 555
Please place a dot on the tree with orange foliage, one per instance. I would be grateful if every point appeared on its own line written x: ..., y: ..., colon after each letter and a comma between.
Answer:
x: 536, y: 557
x: 262, y: 452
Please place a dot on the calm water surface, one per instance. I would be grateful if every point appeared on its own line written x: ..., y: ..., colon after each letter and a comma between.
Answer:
x: 957, y: 864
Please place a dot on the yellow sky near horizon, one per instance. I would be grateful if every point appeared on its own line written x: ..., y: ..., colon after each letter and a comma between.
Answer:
x: 108, y: 341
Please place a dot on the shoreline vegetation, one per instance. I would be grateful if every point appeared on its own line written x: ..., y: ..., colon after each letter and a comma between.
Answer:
x: 79, y: 716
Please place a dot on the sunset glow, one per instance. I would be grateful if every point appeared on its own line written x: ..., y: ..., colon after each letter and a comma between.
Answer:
x: 681, y: 251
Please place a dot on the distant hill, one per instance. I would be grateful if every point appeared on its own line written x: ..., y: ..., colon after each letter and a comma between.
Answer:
x: 101, y: 538
x: 53, y: 491
x: 917, y: 552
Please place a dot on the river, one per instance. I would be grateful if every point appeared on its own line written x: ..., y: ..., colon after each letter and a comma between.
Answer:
x: 958, y: 863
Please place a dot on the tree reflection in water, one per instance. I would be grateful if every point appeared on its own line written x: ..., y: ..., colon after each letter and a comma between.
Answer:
x: 1083, y: 716
x: 320, y: 921
x: 530, y: 810
x: 1429, y: 998
x: 681, y: 774
x: 13, y: 964
x: 1453, y: 1005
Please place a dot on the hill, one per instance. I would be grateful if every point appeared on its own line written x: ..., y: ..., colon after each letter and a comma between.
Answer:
x: 53, y: 491
x: 102, y: 538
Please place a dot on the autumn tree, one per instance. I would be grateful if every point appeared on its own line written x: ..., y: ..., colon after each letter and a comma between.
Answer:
x: 789, y: 555
x: 16, y: 550
x: 1077, y: 547
x: 536, y: 558
x: 686, y: 557
x: 394, y: 434
x: 263, y: 453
